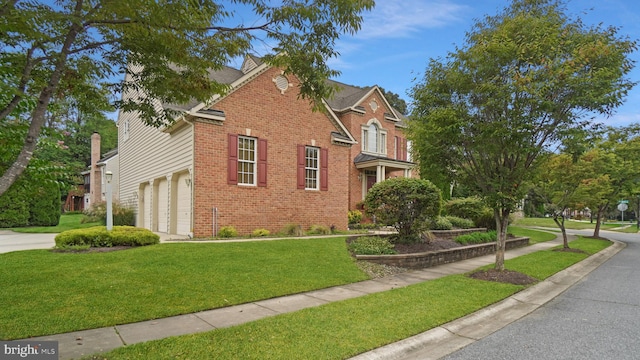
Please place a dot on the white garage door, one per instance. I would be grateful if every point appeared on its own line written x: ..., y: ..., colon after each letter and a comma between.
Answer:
x: 183, y: 200
x: 146, y: 207
x: 163, y: 204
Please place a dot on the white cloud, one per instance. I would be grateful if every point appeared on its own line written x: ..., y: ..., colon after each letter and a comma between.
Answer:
x: 403, y: 18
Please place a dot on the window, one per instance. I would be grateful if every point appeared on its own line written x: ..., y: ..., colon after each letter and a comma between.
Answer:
x: 311, y: 168
x: 374, y: 138
x: 246, y: 160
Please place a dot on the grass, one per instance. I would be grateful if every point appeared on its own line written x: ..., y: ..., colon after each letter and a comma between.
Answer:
x: 569, y: 224
x: 535, y: 236
x: 44, y: 292
x: 360, y: 324
x: 67, y: 222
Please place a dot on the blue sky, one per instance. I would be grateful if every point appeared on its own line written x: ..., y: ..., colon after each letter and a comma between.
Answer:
x: 400, y: 36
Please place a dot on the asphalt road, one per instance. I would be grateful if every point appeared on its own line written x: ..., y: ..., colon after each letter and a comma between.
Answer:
x: 597, y: 318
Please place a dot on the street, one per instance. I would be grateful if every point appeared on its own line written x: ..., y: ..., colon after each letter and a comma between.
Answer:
x: 597, y: 318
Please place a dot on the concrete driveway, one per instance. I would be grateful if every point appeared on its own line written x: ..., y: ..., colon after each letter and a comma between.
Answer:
x: 13, y: 241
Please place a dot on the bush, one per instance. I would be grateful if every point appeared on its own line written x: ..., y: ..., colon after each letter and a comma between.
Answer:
x: 14, y: 206
x: 460, y: 223
x: 45, y: 205
x: 260, y: 232
x: 477, y: 238
x: 319, y: 230
x: 486, y: 220
x: 355, y: 216
x: 122, y: 215
x: 227, y: 232
x: 371, y: 245
x: 441, y: 223
x: 466, y: 208
x: 98, y: 236
x: 292, y: 230
x: 404, y: 203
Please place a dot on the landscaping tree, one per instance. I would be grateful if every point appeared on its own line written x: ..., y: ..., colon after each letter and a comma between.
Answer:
x: 406, y: 204
x: 612, y: 171
x: 557, y: 182
x: 525, y: 77
x: 73, y: 46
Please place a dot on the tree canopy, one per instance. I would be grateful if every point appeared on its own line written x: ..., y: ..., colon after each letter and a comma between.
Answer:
x: 524, y: 78
x: 76, y: 47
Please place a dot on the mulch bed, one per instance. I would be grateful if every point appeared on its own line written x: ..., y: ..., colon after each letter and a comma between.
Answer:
x: 95, y: 249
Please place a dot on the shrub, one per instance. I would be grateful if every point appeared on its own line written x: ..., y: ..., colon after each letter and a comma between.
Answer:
x: 355, y: 216
x: 45, y: 206
x: 14, y: 205
x: 122, y: 215
x: 98, y: 236
x: 292, y: 230
x: 460, y: 223
x: 441, y: 223
x: 260, y: 232
x: 477, y: 238
x: 404, y: 203
x: 371, y: 245
x: 319, y: 230
x: 466, y: 208
x: 227, y: 232
x: 486, y: 220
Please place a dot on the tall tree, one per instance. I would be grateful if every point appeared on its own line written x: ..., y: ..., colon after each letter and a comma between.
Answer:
x: 395, y: 101
x: 524, y: 78
x: 72, y: 46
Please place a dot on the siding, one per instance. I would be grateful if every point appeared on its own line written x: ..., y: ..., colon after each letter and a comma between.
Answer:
x: 149, y: 155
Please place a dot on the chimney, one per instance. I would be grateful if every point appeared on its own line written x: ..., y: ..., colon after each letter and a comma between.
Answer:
x: 95, y: 176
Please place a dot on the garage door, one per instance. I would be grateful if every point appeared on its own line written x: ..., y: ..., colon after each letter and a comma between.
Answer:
x: 163, y: 203
x: 183, y: 203
x: 146, y: 207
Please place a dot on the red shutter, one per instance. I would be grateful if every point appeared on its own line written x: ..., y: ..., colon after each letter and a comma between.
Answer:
x: 232, y: 162
x: 262, y: 162
x: 324, y: 169
x: 301, y: 166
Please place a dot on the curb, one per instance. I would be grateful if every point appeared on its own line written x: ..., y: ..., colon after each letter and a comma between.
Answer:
x: 447, y: 338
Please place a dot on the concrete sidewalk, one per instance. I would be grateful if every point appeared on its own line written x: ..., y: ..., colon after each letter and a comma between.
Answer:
x: 440, y: 341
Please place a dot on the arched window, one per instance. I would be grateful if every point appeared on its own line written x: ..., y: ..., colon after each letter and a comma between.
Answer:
x: 374, y: 138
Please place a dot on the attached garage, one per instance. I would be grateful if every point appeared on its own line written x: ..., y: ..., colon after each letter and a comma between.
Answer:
x: 161, y: 200
x: 145, y: 206
x: 182, y: 201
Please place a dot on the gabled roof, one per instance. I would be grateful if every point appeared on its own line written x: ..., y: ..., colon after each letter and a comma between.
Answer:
x: 347, y: 97
x: 108, y: 156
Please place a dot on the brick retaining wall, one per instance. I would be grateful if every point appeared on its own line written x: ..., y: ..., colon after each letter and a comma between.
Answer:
x: 434, y: 258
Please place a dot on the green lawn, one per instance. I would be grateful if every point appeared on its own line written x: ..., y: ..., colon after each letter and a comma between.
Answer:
x: 67, y: 222
x: 44, y: 292
x: 343, y: 329
x: 569, y: 224
x: 535, y: 236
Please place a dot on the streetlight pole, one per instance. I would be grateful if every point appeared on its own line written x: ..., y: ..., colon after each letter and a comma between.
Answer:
x: 109, y: 175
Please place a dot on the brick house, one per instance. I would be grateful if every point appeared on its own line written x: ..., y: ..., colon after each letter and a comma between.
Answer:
x: 258, y: 157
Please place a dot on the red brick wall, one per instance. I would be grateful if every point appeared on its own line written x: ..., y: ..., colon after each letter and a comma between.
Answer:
x: 284, y: 121
x: 354, y: 121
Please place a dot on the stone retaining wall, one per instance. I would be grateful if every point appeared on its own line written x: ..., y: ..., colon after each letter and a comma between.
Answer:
x: 434, y: 258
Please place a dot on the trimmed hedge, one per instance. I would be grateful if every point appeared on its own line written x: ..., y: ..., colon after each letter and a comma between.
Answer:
x: 477, y: 238
x: 98, y: 236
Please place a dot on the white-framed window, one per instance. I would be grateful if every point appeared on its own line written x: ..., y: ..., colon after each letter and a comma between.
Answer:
x: 312, y: 168
x: 374, y: 138
x: 246, y: 160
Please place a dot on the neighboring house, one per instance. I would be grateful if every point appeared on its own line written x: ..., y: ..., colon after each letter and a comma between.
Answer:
x: 95, y: 182
x: 258, y: 157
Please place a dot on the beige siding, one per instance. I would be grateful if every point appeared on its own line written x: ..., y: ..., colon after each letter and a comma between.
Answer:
x: 147, y: 154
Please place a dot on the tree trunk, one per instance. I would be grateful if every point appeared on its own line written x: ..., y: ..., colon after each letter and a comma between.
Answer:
x: 502, y: 222
x: 596, y: 231
x: 563, y: 229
